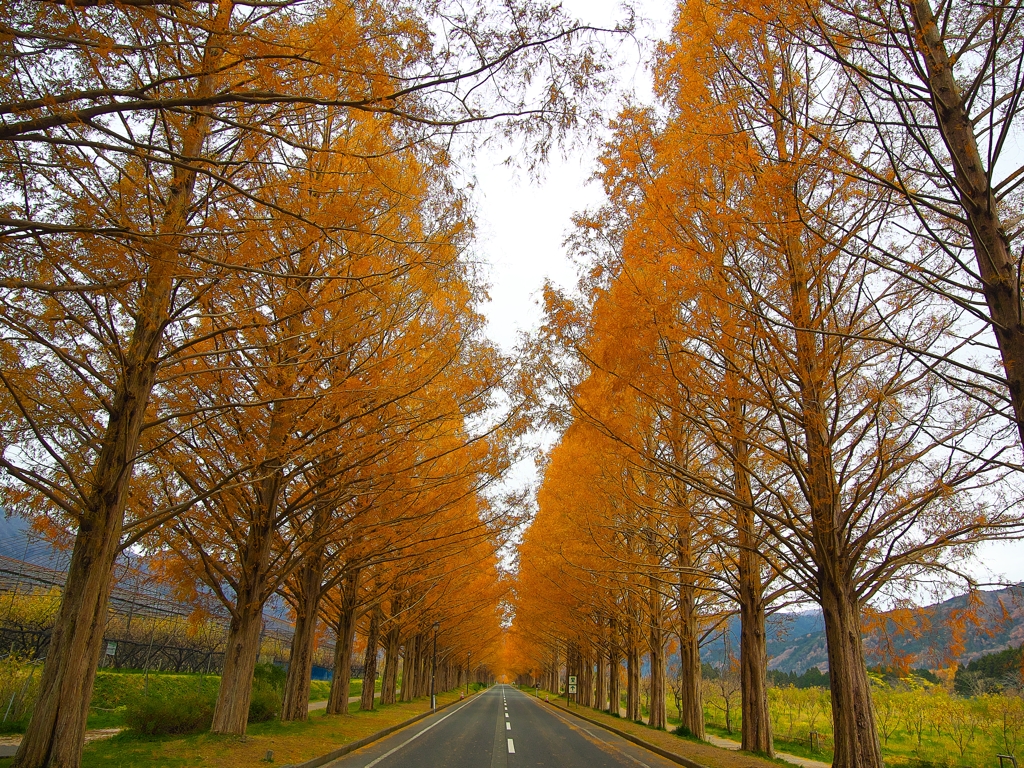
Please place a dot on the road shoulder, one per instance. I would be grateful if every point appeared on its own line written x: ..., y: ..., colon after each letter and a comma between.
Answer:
x: 690, y: 754
x: 352, y: 746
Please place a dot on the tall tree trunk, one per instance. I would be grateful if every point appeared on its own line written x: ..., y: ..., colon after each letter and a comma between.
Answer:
x: 422, y: 668
x: 408, y: 667
x: 370, y: 661
x: 614, y: 662
x: 587, y: 678
x: 690, y: 693
x: 600, y: 698
x: 308, y: 590
x: 556, y: 672
x: 756, y: 728
x: 56, y: 731
x: 855, y: 732
x: 345, y: 629
x: 231, y: 713
x: 391, y: 648
x: 633, y: 668
x: 998, y: 269
x: 659, y: 716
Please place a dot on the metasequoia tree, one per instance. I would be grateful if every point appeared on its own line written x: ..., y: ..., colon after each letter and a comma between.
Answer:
x: 395, y: 354
x: 125, y: 128
x: 98, y: 244
x: 872, y: 463
x: 878, y: 444
x: 663, y: 334
x: 625, y: 571
x: 941, y: 86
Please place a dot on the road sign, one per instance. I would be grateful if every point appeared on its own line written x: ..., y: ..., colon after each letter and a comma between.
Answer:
x: 572, y: 679
x: 572, y: 687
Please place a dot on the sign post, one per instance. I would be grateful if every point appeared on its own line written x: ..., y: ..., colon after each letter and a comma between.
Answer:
x: 571, y: 689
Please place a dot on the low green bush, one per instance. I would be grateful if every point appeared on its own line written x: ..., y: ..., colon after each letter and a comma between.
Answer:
x: 19, y: 682
x: 265, y: 703
x: 267, y: 691
x: 176, y: 714
x: 271, y: 674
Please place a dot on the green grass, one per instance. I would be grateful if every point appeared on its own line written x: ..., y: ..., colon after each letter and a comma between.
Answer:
x: 796, y: 748
x: 114, y: 691
x: 291, y: 742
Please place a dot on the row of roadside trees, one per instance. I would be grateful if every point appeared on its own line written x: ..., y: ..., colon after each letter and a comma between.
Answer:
x: 237, y: 319
x: 787, y: 374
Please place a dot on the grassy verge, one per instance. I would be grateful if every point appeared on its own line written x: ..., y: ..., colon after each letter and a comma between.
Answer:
x: 795, y: 748
x: 290, y: 742
x: 694, y: 749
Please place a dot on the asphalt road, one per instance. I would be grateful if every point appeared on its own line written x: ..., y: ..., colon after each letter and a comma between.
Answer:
x: 501, y: 728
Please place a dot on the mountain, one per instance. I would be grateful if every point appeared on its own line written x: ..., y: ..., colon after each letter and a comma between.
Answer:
x: 961, y: 629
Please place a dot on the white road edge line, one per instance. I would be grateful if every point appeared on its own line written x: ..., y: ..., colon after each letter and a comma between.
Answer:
x: 412, y: 739
x: 511, y: 747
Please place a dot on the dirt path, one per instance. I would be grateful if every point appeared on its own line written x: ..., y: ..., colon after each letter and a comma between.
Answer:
x: 315, y: 705
x: 806, y: 762
x: 9, y: 744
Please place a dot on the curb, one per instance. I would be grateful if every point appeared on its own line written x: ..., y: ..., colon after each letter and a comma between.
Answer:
x: 352, y: 746
x: 678, y: 759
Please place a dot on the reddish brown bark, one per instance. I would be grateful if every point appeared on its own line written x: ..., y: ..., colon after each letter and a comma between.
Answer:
x: 614, y: 662
x: 345, y: 628
x: 308, y: 590
x: 996, y: 265
x: 56, y: 731
x: 656, y: 643
x: 370, y: 661
x: 633, y: 668
x: 856, y: 737
x: 409, y: 667
x: 391, y: 648
x: 756, y: 727
x: 691, y: 702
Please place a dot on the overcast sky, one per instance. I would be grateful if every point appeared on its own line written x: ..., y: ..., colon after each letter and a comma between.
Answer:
x: 522, y: 225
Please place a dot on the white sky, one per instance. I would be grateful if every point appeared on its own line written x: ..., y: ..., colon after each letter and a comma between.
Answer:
x: 522, y: 224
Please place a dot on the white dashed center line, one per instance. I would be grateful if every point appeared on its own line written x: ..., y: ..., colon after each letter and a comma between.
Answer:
x: 508, y: 726
x: 511, y: 747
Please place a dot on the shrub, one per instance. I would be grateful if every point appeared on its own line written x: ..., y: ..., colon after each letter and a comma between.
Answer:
x: 19, y: 681
x: 267, y: 690
x: 271, y: 674
x: 265, y: 703
x: 171, y: 714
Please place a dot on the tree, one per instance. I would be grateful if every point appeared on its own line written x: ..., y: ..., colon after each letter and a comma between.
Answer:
x: 866, y: 452
x: 118, y: 172
x: 940, y: 87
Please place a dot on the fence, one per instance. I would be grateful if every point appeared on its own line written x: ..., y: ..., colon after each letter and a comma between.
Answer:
x: 148, y: 627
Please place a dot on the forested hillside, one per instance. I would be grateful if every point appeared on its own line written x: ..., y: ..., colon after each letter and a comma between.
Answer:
x: 958, y: 629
